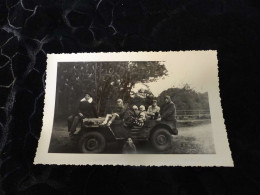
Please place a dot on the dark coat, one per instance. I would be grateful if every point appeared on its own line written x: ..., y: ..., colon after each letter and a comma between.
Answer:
x: 88, y: 109
x: 120, y: 110
x: 129, y: 148
x: 168, y: 112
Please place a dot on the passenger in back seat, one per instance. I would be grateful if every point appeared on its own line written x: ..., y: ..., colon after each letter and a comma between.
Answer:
x: 140, y: 116
x: 153, y: 111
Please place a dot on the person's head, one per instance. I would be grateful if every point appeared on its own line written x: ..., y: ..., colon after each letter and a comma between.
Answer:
x: 167, y: 99
x: 129, y: 140
x: 119, y: 102
x: 87, y: 96
x: 154, y: 103
x: 135, y: 108
x: 142, y: 108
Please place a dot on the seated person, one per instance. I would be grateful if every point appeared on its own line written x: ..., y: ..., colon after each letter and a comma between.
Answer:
x: 140, y: 116
x: 132, y: 114
x: 153, y: 111
x: 86, y: 109
x: 117, y: 113
x: 168, y: 111
x: 135, y: 112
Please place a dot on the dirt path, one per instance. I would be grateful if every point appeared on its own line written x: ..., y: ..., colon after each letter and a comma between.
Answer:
x: 191, y: 140
x: 194, y: 140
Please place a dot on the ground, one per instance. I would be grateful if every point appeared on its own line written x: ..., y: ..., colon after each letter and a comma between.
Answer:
x: 192, y: 139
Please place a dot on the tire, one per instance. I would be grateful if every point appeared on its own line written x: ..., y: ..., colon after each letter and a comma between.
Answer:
x: 161, y: 139
x: 92, y: 142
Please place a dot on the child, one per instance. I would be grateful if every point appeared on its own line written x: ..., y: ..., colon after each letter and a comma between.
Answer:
x: 141, y: 117
x: 129, y: 147
x: 142, y: 114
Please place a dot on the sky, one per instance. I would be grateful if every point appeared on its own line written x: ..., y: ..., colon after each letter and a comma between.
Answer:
x: 191, y: 68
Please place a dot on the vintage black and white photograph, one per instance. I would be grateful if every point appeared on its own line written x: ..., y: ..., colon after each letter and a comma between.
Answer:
x: 132, y: 106
x: 109, y: 107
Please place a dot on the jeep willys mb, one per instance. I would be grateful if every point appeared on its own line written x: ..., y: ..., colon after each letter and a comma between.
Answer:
x: 93, y: 136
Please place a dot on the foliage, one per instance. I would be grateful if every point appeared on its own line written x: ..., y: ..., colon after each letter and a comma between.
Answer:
x: 186, y: 98
x: 106, y: 81
x: 142, y: 97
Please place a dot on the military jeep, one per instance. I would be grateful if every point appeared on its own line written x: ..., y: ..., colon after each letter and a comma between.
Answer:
x: 93, y: 137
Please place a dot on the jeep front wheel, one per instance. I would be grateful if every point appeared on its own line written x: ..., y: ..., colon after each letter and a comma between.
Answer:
x: 92, y: 142
x: 161, y: 139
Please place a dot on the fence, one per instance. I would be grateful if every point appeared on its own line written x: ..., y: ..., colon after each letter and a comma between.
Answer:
x: 192, y: 114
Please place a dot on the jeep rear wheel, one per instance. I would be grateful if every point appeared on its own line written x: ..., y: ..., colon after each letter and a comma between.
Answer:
x: 92, y: 142
x: 161, y: 139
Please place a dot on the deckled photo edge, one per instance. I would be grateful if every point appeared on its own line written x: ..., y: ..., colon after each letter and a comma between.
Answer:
x: 43, y: 157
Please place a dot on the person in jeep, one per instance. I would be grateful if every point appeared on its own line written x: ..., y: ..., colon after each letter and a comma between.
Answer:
x: 139, y: 116
x: 168, y: 110
x: 86, y: 109
x: 153, y: 111
x: 130, y: 128
x: 118, y: 112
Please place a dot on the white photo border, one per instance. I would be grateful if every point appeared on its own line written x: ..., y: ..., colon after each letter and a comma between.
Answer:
x: 223, y: 153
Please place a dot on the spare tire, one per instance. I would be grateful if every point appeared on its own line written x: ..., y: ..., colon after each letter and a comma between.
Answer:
x: 161, y: 139
x: 92, y: 142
